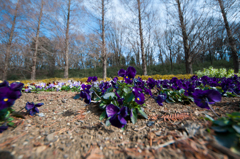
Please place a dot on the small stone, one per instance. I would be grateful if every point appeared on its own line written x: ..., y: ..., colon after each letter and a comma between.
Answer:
x: 20, y: 157
x: 64, y: 100
x: 65, y: 156
x: 150, y: 123
x: 49, y: 137
x: 41, y: 115
x: 61, y: 148
x: 54, y: 118
x: 77, y: 123
x: 68, y: 124
x: 158, y: 133
x: 68, y: 144
x: 25, y: 143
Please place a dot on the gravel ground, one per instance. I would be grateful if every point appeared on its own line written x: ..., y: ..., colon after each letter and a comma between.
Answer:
x: 67, y: 128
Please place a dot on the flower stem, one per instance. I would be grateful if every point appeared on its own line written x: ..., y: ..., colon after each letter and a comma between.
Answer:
x: 211, y: 108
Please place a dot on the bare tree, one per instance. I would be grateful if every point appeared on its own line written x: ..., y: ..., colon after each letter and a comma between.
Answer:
x: 33, y: 73
x: 230, y: 36
x: 9, y: 43
x: 67, y: 41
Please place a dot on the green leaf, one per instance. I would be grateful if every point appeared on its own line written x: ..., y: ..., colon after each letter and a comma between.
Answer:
x: 226, y: 140
x: 108, y: 122
x: 7, y: 114
x: 191, y: 98
x: 209, y: 118
x: 129, y: 97
x: 220, y: 129
x: 143, y: 113
x: 134, y: 116
x: 11, y: 124
x: 110, y: 89
x: 103, y: 115
x: 124, y: 127
x: 126, y: 90
x: 222, y: 122
x: 108, y: 95
x: 10, y: 119
x: 76, y: 96
x: 237, y: 128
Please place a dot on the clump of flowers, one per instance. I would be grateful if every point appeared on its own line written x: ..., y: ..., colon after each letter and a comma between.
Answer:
x: 8, y: 95
x: 120, y: 99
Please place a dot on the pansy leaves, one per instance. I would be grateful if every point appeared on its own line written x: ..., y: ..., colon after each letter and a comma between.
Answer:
x: 103, y: 115
x: 108, y: 95
x: 129, y: 97
x: 142, y: 113
x: 133, y: 115
x: 76, y: 96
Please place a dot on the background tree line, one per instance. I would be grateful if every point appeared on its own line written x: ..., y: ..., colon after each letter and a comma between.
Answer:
x: 43, y: 38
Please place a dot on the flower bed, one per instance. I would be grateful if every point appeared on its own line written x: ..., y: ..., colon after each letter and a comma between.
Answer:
x: 120, y: 100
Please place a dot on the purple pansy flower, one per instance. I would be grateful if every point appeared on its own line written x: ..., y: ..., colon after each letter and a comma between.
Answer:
x: 151, y: 83
x: 8, y: 94
x: 139, y: 98
x: 117, y: 115
x: 32, y: 108
x: 160, y: 99
x: 89, y: 79
x: 131, y: 72
x: 94, y: 78
x: 86, y: 95
x: 121, y: 73
x: 203, y: 97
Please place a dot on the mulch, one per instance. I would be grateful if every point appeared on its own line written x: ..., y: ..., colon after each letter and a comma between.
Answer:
x: 68, y: 128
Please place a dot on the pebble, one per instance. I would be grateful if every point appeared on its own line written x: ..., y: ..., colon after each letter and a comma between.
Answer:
x: 20, y: 157
x: 77, y: 123
x: 150, y: 123
x: 65, y: 156
x: 68, y: 124
x: 61, y: 148
x: 50, y: 138
x: 64, y: 100
x: 41, y: 114
x: 68, y: 144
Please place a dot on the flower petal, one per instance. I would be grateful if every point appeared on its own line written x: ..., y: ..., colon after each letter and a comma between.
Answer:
x: 39, y: 104
x: 111, y: 110
x: 121, y: 73
x: 201, y: 103
x: 32, y: 113
x: 115, y: 121
x: 214, y: 96
x: 29, y: 106
x: 131, y: 72
x: 123, y: 111
x: 122, y: 120
x: 16, y: 86
x: 36, y: 110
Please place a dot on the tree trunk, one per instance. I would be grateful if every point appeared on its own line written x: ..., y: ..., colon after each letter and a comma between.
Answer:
x: 188, y: 59
x: 33, y: 73
x: 67, y: 42
x: 10, y: 43
x: 104, y: 55
x: 230, y: 38
x: 144, y: 65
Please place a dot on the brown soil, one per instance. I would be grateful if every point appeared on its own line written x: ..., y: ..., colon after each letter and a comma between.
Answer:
x: 71, y: 129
